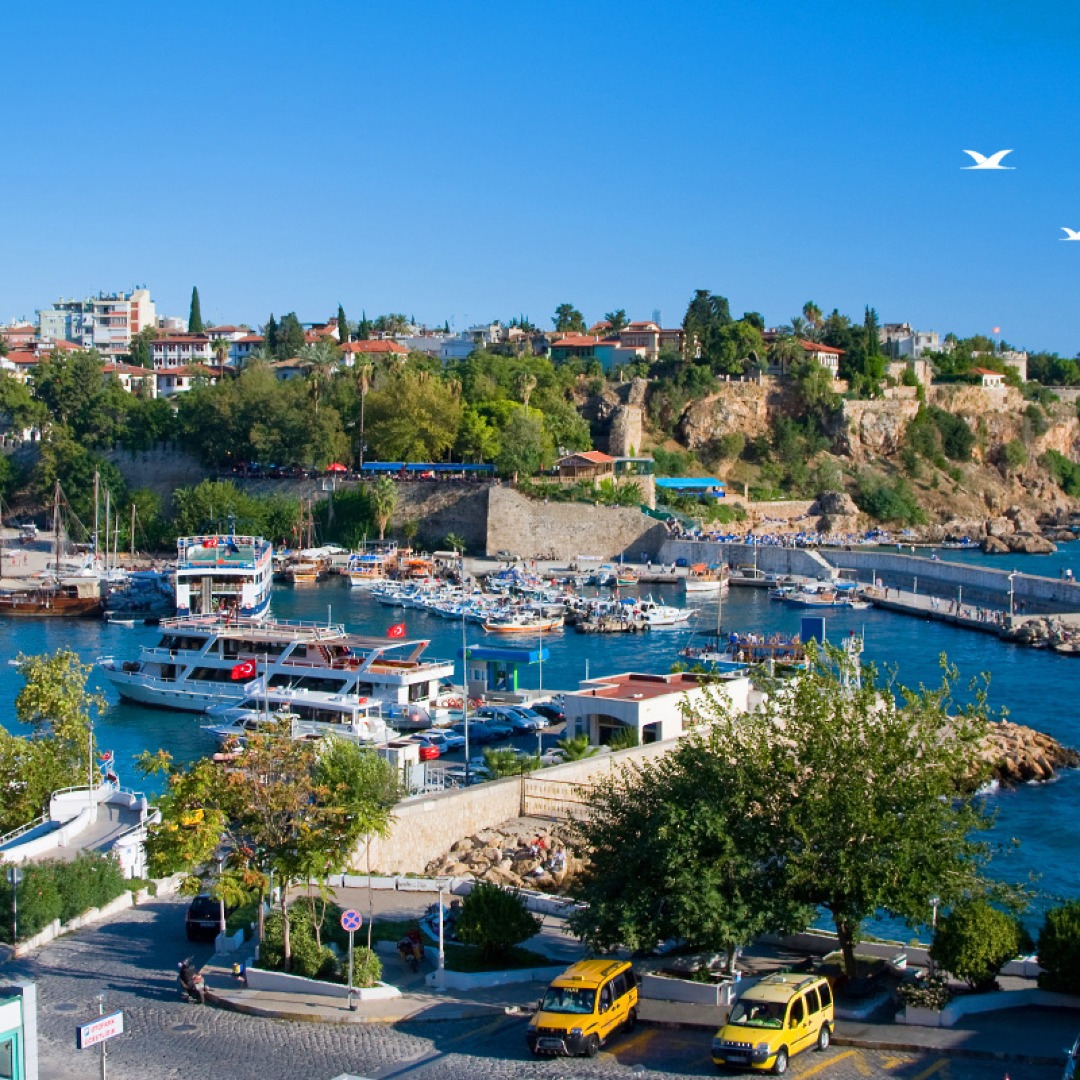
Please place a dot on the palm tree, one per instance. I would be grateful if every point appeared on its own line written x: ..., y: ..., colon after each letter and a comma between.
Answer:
x: 363, y: 384
x: 786, y: 351
x: 221, y: 348
x: 797, y: 327
x: 383, y: 501
x: 812, y: 314
x: 576, y: 747
x: 526, y: 384
x: 320, y: 358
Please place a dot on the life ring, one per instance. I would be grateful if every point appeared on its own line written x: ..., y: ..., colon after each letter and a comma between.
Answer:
x: 454, y: 703
x: 475, y: 703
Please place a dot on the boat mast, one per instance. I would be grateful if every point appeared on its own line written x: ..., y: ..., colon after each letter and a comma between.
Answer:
x: 97, y: 491
x: 108, y: 516
x: 56, y: 529
x: 132, y: 534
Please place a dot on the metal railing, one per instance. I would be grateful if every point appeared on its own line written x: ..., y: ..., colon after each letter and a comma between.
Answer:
x: 23, y: 830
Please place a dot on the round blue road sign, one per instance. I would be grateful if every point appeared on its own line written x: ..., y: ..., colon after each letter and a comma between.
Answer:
x: 351, y: 920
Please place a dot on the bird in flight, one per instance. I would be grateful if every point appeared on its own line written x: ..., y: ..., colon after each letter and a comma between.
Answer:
x: 1074, y: 234
x: 991, y: 162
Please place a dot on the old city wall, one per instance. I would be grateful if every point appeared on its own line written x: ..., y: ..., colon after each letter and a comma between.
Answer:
x: 426, y: 828
x: 162, y: 470
x: 529, y: 527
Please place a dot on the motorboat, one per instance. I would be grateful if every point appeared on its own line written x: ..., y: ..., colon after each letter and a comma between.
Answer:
x: 372, y: 564
x: 705, y: 580
x: 203, y: 660
x: 522, y: 623
x: 223, y: 574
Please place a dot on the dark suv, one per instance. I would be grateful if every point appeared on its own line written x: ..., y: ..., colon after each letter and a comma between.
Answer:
x: 203, y: 919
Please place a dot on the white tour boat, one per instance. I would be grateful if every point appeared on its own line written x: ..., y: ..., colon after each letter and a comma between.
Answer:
x: 226, y: 574
x: 204, y: 660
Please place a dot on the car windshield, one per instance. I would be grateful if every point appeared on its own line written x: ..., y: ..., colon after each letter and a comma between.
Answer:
x: 768, y: 1014
x: 203, y: 907
x: 566, y: 999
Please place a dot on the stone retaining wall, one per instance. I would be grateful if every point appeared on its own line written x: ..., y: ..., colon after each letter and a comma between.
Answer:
x: 426, y: 828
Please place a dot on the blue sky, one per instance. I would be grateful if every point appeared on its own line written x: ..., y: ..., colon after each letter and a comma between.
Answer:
x: 484, y: 159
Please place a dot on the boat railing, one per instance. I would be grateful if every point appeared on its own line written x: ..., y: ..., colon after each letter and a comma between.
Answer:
x: 221, y: 621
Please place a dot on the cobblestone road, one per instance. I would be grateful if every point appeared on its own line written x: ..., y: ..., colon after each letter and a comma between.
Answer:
x: 132, y: 959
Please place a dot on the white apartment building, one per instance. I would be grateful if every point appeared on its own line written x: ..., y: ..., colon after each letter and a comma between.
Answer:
x: 182, y: 350
x: 106, y: 322
x: 903, y: 343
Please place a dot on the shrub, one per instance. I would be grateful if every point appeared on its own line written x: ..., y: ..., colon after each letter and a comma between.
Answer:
x: 495, y: 921
x: 308, y: 959
x: 730, y: 445
x: 1035, y: 420
x: 975, y: 941
x: 890, y: 502
x: 930, y: 993
x: 1013, y: 455
x: 1059, y: 949
x: 367, y: 967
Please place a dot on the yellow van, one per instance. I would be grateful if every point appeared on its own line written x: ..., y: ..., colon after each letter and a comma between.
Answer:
x: 587, y: 1004
x: 775, y: 1018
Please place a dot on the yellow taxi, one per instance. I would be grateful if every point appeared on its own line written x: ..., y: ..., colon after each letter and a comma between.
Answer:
x: 774, y: 1019
x: 587, y: 1004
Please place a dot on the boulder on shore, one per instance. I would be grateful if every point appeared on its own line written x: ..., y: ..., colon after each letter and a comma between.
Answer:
x: 1020, y: 755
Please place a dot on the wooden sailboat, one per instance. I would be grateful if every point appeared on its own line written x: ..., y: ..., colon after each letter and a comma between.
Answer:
x: 71, y: 597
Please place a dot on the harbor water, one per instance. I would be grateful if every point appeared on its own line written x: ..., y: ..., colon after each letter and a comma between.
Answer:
x: 1034, y: 687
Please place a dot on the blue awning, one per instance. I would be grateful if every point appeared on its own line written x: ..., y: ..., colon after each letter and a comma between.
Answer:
x: 689, y: 483
x: 504, y: 655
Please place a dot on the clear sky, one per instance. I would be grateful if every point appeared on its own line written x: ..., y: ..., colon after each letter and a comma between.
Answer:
x: 482, y: 159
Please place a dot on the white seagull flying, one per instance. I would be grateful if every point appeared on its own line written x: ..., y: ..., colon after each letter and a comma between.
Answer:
x: 991, y: 162
x: 1074, y: 234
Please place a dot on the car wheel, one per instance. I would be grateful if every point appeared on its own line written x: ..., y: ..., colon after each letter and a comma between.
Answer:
x: 824, y: 1037
x: 780, y: 1064
x: 631, y: 1021
x: 592, y: 1046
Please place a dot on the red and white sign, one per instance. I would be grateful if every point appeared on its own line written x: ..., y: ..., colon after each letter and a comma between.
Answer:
x: 244, y: 670
x: 97, y: 1031
x: 396, y: 631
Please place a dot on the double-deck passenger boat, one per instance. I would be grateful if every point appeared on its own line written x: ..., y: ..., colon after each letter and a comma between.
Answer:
x: 223, y: 574
x: 204, y: 660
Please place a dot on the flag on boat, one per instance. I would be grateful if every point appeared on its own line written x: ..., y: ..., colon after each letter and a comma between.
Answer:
x: 244, y: 670
x: 211, y: 542
x: 397, y: 630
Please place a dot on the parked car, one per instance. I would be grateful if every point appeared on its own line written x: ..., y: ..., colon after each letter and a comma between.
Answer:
x: 587, y: 1004
x: 553, y: 713
x: 1072, y: 1056
x: 479, y: 733
x: 446, y: 741
x: 428, y: 750
x: 775, y: 1019
x: 203, y: 919
x: 525, y: 718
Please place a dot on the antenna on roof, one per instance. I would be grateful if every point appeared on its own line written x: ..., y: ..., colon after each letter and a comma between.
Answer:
x: 657, y: 316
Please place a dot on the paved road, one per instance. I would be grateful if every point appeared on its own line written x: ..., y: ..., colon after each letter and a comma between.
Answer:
x: 132, y: 960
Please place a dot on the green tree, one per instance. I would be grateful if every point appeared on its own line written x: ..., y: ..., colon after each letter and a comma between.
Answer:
x: 975, y: 941
x: 141, y: 355
x: 617, y: 320
x: 412, y: 416
x: 526, y: 447
x: 506, y: 761
x: 495, y: 921
x: 321, y: 359
x: 706, y: 316
x: 270, y: 336
x: 568, y: 320
x: 1059, y: 949
x: 57, y: 707
x: 195, y: 323
x: 786, y: 352
x: 477, y: 440
x: 289, y: 338
x: 342, y: 325
x: 383, y: 502
x: 812, y: 315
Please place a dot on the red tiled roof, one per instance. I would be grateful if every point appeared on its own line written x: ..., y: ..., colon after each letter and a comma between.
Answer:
x: 985, y: 371
x: 224, y: 329
x: 22, y: 357
x: 355, y: 347
x: 188, y: 371
x: 594, y: 457
x: 648, y: 324
x: 642, y: 687
x: 127, y: 369
x: 180, y: 339
x: 575, y: 341
x: 250, y: 338
x: 813, y: 346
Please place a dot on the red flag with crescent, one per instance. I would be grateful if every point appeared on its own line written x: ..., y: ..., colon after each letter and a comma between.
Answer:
x: 244, y: 670
x: 396, y: 631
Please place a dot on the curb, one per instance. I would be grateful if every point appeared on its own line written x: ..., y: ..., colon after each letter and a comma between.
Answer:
x: 475, y: 1012
x: 946, y: 1051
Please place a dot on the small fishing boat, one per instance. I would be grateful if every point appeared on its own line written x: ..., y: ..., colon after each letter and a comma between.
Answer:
x: 522, y: 623
x: 705, y: 580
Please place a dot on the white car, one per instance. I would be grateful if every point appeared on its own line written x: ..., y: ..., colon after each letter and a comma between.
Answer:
x: 446, y: 741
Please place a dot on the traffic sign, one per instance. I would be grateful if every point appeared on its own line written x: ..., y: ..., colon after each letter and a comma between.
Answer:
x: 97, y: 1031
x: 351, y: 920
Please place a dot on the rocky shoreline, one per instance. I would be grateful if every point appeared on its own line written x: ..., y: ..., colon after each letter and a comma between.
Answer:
x: 1020, y: 755
x: 1047, y: 632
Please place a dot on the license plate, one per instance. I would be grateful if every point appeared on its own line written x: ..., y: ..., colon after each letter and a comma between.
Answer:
x: 736, y: 1058
x: 549, y: 1044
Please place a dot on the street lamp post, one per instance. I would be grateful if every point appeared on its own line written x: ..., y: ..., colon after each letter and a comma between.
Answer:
x: 1012, y: 594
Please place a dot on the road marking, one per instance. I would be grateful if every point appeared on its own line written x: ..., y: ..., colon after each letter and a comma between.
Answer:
x: 814, y: 1069
x: 861, y: 1067
x: 640, y: 1038
x: 892, y: 1062
x: 938, y: 1065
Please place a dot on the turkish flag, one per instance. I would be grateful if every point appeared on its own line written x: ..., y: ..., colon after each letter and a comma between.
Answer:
x: 244, y: 670
x: 397, y: 630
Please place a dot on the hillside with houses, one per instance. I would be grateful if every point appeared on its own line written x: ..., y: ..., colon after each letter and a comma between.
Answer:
x: 715, y: 419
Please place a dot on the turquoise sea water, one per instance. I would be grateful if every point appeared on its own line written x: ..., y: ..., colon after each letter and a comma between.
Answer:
x: 1034, y: 686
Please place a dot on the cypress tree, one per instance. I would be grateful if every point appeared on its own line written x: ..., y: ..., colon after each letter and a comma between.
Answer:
x: 364, y: 330
x: 342, y: 325
x: 195, y: 323
x: 271, y: 334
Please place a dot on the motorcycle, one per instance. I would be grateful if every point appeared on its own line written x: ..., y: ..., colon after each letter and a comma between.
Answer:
x: 411, y: 949
x: 192, y: 984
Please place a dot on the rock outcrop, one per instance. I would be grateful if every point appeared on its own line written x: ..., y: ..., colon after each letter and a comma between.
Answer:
x: 1019, y: 755
x: 511, y: 855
